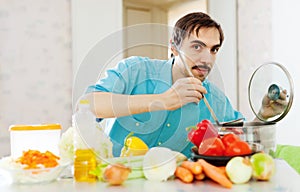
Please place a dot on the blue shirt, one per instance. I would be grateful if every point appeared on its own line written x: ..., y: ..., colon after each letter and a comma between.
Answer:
x: 140, y: 75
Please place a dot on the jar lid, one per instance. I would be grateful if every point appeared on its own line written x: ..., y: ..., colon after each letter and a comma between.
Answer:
x: 268, y: 81
x: 35, y: 127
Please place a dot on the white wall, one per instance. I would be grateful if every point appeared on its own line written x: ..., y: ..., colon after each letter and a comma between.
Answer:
x: 254, y: 45
x: 224, y: 12
x: 35, y: 64
x: 286, y: 40
x: 180, y: 9
x: 92, y: 22
x: 267, y: 31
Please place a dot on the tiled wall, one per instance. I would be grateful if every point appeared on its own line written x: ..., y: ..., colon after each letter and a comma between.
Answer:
x: 35, y: 64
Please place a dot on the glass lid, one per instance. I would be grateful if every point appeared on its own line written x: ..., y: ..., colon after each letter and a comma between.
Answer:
x: 271, y: 86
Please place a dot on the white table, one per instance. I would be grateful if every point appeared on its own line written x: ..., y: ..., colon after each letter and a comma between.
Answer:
x: 285, y: 179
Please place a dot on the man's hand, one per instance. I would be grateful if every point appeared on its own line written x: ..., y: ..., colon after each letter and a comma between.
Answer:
x: 271, y: 108
x: 183, y: 91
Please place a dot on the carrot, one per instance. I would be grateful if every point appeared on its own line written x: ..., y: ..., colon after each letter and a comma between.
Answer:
x: 200, y: 176
x: 184, y: 174
x: 222, y: 168
x: 194, y: 167
x: 33, y: 159
x: 215, y: 174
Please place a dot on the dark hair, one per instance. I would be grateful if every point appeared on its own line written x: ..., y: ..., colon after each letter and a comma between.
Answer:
x: 193, y: 21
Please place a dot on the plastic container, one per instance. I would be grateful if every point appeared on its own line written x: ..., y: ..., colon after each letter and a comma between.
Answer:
x: 35, y: 137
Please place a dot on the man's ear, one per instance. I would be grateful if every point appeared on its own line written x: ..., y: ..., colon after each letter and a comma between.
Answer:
x: 173, y: 49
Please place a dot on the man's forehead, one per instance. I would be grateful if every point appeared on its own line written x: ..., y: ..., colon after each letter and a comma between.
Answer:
x: 207, y: 35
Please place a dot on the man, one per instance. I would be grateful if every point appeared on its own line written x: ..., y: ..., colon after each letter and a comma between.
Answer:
x: 158, y: 99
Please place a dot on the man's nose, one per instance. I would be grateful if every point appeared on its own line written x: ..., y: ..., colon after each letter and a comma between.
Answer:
x: 206, y: 57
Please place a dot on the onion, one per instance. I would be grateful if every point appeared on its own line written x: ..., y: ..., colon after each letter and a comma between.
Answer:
x: 263, y: 166
x: 159, y: 164
x: 116, y: 174
x: 239, y: 170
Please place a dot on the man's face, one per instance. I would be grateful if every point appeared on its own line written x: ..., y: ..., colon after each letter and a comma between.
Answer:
x: 199, y: 51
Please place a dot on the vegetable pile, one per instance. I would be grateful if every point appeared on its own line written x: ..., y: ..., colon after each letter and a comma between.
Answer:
x: 237, y: 171
x: 205, y: 137
x: 189, y: 171
x: 242, y: 166
x: 160, y: 164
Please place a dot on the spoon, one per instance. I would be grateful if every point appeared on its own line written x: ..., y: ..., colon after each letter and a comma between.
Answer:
x: 236, y: 122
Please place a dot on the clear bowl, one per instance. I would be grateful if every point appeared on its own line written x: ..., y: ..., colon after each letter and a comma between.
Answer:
x: 15, y: 173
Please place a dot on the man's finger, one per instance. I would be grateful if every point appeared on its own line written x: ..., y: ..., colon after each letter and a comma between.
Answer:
x: 281, y: 102
x: 283, y: 95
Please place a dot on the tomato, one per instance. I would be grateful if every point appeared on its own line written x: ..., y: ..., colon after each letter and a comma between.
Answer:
x: 238, y: 148
x: 229, y: 138
x: 211, y: 147
x: 203, y: 130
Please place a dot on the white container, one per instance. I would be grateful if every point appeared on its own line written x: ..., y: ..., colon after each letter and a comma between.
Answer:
x: 43, y: 137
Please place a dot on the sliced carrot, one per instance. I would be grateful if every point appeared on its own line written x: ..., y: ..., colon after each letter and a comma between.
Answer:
x: 215, y: 174
x: 33, y: 159
x: 200, y: 176
x: 194, y: 167
x: 184, y: 174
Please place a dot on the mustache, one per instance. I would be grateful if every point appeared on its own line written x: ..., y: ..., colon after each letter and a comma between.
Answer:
x: 206, y: 67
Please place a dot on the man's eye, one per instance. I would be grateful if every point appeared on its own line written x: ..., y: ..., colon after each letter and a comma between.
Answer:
x: 197, y: 47
x: 215, y: 50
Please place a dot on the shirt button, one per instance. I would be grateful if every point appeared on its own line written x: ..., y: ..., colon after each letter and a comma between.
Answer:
x: 168, y: 125
x: 137, y: 124
x: 159, y: 143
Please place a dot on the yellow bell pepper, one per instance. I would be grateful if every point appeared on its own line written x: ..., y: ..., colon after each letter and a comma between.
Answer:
x: 133, y: 146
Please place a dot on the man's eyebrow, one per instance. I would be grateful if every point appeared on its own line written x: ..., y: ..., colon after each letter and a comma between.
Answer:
x: 203, y: 44
x: 199, y: 42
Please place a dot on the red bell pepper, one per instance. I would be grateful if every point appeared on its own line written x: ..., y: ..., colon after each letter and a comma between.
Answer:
x: 203, y: 130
